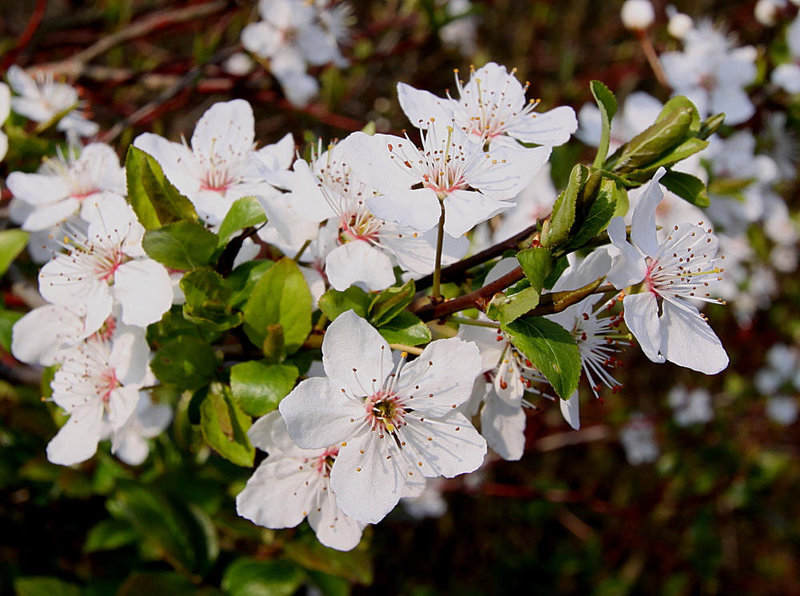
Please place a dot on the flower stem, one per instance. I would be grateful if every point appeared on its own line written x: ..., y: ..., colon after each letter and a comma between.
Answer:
x: 475, y: 322
x: 436, y: 294
x: 300, y: 252
x: 405, y: 348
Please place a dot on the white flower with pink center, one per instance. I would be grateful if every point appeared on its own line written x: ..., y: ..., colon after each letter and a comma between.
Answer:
x: 668, y: 276
x: 68, y: 184
x: 221, y: 164
x: 393, y: 425
x: 108, y: 265
x: 292, y: 484
x: 98, y: 385
x: 450, y: 175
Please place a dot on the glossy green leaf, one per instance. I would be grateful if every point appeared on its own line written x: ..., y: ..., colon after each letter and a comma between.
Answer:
x: 687, y: 187
x: 249, y: 577
x: 354, y: 565
x: 513, y: 306
x: 536, y: 263
x: 607, y: 103
x: 7, y: 320
x: 183, y: 245
x: 244, y: 212
x: 244, y: 278
x: 44, y: 586
x: 551, y: 349
x: 600, y: 213
x: 186, y: 361
x: 258, y: 387
x: 406, y: 328
x: 390, y: 302
x: 154, y: 199
x: 282, y: 297
x: 333, y: 302
x: 12, y: 242
x: 225, y: 425
x: 556, y: 229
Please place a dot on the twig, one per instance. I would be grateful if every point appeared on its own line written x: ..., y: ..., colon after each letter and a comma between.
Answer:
x: 27, y: 34
x: 652, y: 58
x: 74, y: 65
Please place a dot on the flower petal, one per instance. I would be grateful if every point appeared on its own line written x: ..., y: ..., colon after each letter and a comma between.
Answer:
x: 78, y: 438
x: 503, y: 425
x: 144, y: 290
x: 641, y: 317
x: 359, y: 263
x: 689, y: 341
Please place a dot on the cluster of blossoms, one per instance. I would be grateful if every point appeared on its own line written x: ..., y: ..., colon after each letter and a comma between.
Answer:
x: 296, y: 34
x: 362, y: 213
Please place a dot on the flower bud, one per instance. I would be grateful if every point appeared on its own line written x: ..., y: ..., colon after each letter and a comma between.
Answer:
x: 766, y: 12
x: 637, y: 15
x: 679, y: 25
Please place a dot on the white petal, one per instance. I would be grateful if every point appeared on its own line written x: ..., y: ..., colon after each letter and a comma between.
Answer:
x: 316, y: 416
x: 37, y: 189
x: 550, y: 128
x: 447, y: 447
x: 356, y: 358
x: 464, y: 209
x: 77, y: 440
x: 421, y: 106
x: 641, y: 317
x: 225, y: 132
x: 366, y: 482
x: 144, y: 289
x: 279, y: 493
x: 121, y: 405
x: 503, y: 426
x: 359, y: 263
x: 689, y: 341
x: 440, y: 379
x: 418, y: 208
x: 29, y: 344
x: 44, y: 217
x: 628, y: 265
x: 175, y: 159
x: 334, y: 529
x: 643, y: 223
x: 508, y: 382
x: 373, y: 163
x: 570, y: 410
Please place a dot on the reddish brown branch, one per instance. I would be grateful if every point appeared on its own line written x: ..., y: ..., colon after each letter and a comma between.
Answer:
x: 27, y: 34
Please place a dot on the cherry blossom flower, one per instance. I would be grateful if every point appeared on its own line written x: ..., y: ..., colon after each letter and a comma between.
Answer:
x: 108, y: 265
x: 98, y: 384
x: 660, y: 315
x: 690, y: 407
x: 75, y: 182
x: 393, y: 424
x: 365, y: 247
x: 65, y: 328
x: 221, y: 165
x: 491, y: 107
x: 292, y: 484
x: 787, y: 75
x: 451, y: 173
x: 638, y: 437
x: 42, y: 99
x: 712, y: 73
x: 782, y: 409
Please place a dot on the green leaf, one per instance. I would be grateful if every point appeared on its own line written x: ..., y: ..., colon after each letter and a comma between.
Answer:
x: 556, y: 229
x: 672, y: 128
x: 208, y: 299
x: 244, y: 212
x: 110, y: 534
x: 183, y: 245
x: 7, y: 320
x: 244, y: 278
x: 249, y: 577
x: 258, y: 387
x: 282, y: 297
x: 390, y: 302
x: 12, y: 242
x: 686, y: 149
x: 406, y: 328
x: 513, y: 306
x: 154, y: 199
x: 536, y: 263
x: 186, y: 361
x: 608, y: 107
x: 44, y: 586
x: 329, y: 585
x: 179, y: 533
x: 551, y: 348
x: 224, y: 426
x: 600, y: 213
x: 333, y: 302
x: 354, y: 565
x: 687, y: 187
x: 681, y: 103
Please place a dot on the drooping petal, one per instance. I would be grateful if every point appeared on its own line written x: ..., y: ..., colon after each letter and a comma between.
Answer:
x: 78, y: 438
x: 47, y: 216
x: 317, y: 416
x: 333, y: 528
x: 356, y: 358
x: 687, y: 340
x: 508, y: 381
x: 641, y: 317
x: 421, y: 106
x: 503, y: 425
x: 570, y: 410
x: 628, y: 265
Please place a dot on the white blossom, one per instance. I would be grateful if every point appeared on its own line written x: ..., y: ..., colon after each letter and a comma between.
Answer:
x: 638, y: 439
x: 393, y: 425
x: 690, y: 406
x: 637, y: 15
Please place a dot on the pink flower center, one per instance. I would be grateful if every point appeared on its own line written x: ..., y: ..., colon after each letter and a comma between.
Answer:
x: 384, y: 412
x: 324, y: 462
x: 108, y: 382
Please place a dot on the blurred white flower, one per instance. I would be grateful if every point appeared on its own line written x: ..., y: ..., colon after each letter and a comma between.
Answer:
x: 638, y: 437
x: 637, y: 15
x: 690, y: 407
